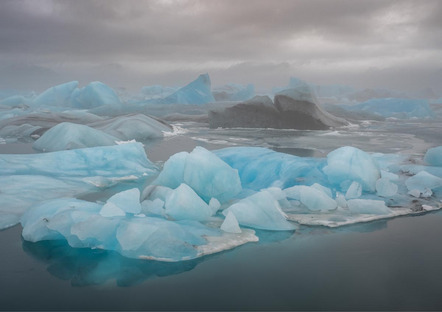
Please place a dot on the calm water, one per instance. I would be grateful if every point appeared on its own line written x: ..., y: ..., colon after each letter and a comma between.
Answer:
x: 383, y: 265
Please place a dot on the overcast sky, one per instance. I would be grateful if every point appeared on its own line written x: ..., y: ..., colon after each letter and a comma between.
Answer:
x: 393, y: 44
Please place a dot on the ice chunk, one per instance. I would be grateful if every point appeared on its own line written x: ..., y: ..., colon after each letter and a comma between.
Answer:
x: 204, y: 172
x: 110, y: 210
x: 261, y: 211
x: 67, y: 173
x: 368, y: 206
x: 347, y: 164
x: 423, y: 181
x: 433, y: 156
x: 131, y: 235
x: 157, y: 91
x: 153, y: 192
x: 109, y: 161
x: 414, y: 193
x: 311, y: 197
x: 8, y: 219
x: 128, y: 200
x: 66, y: 135
x: 340, y: 200
x: 395, y: 107
x: 323, y: 189
x: 184, y: 204
x: 261, y: 168
x: 230, y: 224
x: 155, y: 207
x: 80, y: 223
x: 36, y: 220
x: 121, y: 203
x: 196, y: 92
x: 386, y: 188
x: 16, y: 101
x: 388, y: 175
x: 214, y: 204
x: 354, y: 191
x: 57, y: 96
x: 134, y: 126
x: 94, y: 95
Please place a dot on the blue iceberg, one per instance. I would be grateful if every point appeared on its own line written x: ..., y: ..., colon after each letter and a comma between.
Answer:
x: 184, y: 204
x: 203, y: 202
x: 58, y: 96
x: 433, y: 156
x: 260, y: 211
x: 94, y: 95
x: 348, y: 164
x: 208, y: 175
x: 395, y: 107
x: 82, y: 226
x: 66, y: 174
x: 197, y: 92
x: 261, y: 168
x: 133, y: 127
x: 66, y: 136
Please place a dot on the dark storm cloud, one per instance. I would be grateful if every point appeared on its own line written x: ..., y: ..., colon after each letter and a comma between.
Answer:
x: 163, y: 40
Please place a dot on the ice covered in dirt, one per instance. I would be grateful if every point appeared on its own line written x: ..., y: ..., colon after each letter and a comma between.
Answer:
x: 294, y: 108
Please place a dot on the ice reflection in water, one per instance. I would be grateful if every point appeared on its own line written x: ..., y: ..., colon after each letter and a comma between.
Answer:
x: 84, y: 266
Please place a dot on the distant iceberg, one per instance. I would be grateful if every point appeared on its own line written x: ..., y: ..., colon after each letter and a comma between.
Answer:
x: 94, y: 96
x: 196, y: 92
x: 57, y: 96
x: 394, y: 107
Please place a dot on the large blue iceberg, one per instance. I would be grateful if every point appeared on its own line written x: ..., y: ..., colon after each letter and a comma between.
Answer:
x: 205, y: 202
x: 66, y: 173
x: 94, y: 96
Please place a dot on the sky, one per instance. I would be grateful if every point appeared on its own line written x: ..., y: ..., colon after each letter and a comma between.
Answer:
x: 131, y: 43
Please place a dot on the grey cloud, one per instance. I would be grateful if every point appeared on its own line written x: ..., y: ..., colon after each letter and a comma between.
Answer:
x: 260, y: 35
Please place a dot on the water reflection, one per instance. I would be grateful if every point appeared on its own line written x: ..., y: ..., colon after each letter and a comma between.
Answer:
x: 83, y: 266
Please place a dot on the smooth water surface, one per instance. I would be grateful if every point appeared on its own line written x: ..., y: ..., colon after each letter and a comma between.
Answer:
x: 383, y: 265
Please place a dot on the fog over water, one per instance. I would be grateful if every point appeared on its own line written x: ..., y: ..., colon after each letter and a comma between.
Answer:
x: 390, y: 44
